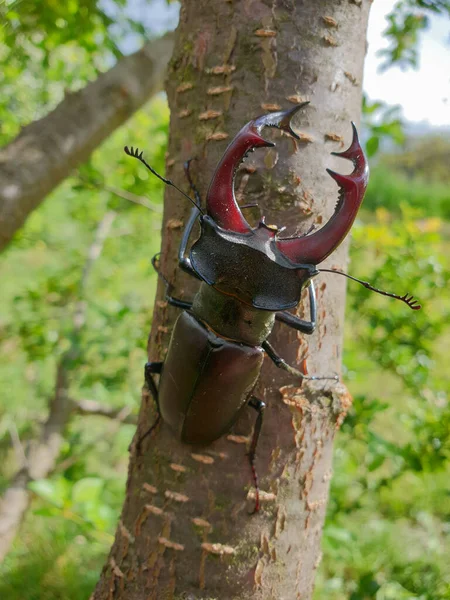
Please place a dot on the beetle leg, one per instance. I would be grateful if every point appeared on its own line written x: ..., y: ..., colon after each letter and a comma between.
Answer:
x: 259, y: 406
x: 179, y: 303
x: 170, y: 299
x: 292, y: 321
x: 282, y: 364
x: 185, y: 261
x: 150, y: 369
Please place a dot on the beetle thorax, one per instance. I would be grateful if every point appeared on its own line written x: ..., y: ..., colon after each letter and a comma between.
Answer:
x: 247, y: 266
x: 230, y: 318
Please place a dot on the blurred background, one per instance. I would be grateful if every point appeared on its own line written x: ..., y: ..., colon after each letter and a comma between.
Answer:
x: 77, y: 292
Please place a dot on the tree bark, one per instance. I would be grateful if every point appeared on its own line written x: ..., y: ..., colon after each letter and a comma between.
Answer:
x: 185, y: 530
x: 47, y: 150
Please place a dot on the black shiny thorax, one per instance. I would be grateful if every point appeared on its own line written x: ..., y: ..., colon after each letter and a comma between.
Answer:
x: 247, y: 266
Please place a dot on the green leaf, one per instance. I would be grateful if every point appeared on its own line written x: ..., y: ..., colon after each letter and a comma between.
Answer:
x: 338, y: 534
x: 376, y: 462
x: 46, y: 512
x: 55, y: 491
x: 372, y: 145
x: 87, y: 490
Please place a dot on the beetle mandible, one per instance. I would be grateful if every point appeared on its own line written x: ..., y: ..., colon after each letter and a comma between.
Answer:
x: 250, y: 277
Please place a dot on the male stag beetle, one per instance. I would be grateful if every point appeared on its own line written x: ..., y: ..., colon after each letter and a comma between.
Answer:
x: 250, y: 277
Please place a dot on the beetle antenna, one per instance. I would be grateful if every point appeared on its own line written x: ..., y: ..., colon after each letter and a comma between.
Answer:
x: 139, y: 154
x: 407, y: 298
x: 187, y: 171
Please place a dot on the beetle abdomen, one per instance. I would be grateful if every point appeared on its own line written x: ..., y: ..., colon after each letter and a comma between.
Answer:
x: 205, y: 381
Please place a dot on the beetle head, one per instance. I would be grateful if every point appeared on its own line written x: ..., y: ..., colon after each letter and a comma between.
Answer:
x: 254, y: 264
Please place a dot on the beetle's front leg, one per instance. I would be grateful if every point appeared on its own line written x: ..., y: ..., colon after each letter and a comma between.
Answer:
x: 184, y: 261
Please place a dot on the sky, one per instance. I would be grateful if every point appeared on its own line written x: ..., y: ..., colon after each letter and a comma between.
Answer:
x: 424, y: 94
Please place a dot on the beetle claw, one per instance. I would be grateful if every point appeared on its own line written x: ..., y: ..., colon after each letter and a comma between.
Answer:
x: 316, y: 247
x: 220, y: 201
x: 135, y: 153
x: 410, y: 301
x: 280, y: 120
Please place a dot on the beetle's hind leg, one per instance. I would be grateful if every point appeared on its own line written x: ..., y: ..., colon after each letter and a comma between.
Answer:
x: 150, y: 369
x: 282, y: 364
x: 259, y: 406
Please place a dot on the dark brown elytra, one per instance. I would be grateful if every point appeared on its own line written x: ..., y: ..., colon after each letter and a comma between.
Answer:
x: 249, y: 278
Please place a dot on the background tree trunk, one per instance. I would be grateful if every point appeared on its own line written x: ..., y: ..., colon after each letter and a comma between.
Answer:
x: 185, y: 530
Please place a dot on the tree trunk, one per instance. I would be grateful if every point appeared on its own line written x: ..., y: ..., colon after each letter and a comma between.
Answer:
x: 185, y: 530
x: 46, y: 151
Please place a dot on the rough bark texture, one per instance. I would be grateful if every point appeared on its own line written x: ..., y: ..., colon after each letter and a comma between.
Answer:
x: 46, y: 151
x: 185, y: 530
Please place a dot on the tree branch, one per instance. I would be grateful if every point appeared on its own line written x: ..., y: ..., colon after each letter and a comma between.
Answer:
x: 124, y: 194
x: 41, y: 458
x: 43, y: 453
x: 116, y: 416
x: 47, y: 150
x: 92, y: 407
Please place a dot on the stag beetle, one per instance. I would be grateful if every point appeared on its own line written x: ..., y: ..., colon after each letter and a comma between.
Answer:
x: 250, y: 277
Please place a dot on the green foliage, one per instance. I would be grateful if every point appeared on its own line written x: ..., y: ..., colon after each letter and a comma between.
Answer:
x: 94, y: 26
x: 425, y: 159
x: 51, y: 48
x: 385, y: 535
x: 41, y: 276
x: 381, y: 122
x: 63, y: 562
x: 43, y: 270
x: 401, y: 343
x: 86, y: 502
x: 406, y: 21
x: 390, y: 190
